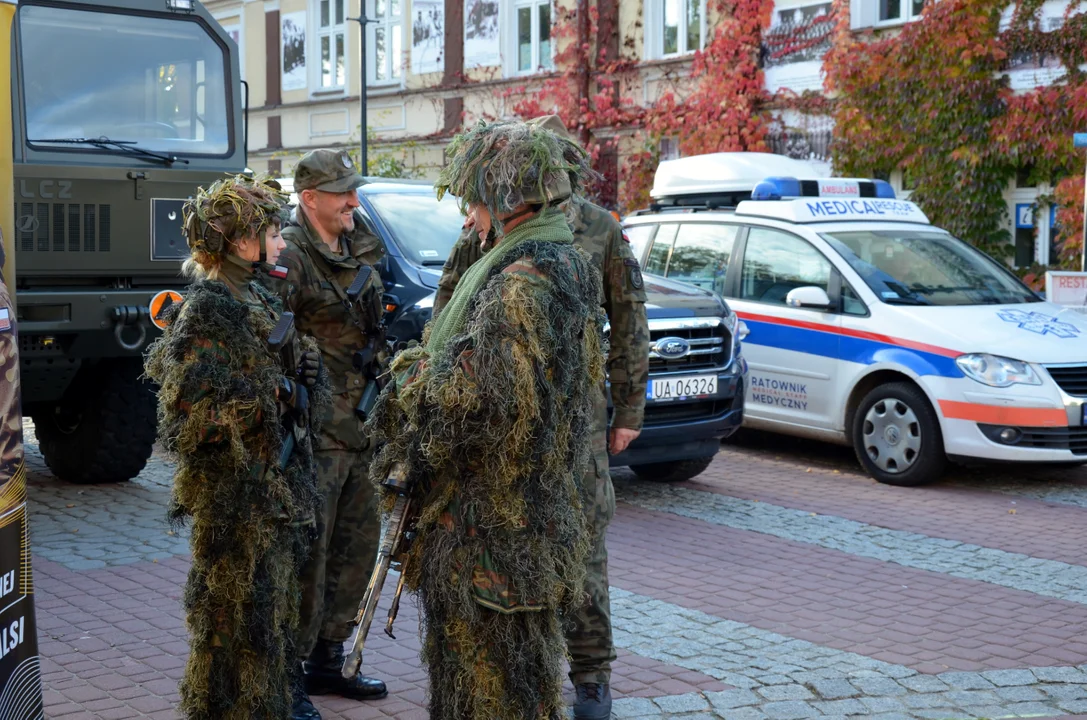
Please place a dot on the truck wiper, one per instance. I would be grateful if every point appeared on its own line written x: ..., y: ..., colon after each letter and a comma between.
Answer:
x: 903, y: 301
x: 124, y: 147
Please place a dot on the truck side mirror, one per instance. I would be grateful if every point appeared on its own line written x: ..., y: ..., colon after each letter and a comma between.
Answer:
x: 810, y: 297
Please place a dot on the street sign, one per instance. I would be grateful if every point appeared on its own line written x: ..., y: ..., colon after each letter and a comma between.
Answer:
x: 1024, y: 215
x: 1067, y: 288
x: 1079, y: 140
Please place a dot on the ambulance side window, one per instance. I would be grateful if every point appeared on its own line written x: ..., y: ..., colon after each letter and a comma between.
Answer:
x: 701, y: 254
x: 639, y: 236
x: 657, y: 262
x: 776, y: 262
x: 851, y: 304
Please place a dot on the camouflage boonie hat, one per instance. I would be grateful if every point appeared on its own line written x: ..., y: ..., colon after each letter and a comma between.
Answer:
x: 550, y: 122
x: 326, y: 170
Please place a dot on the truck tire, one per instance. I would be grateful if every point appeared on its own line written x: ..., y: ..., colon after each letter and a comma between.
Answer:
x: 673, y: 471
x: 104, y: 429
x: 896, y: 436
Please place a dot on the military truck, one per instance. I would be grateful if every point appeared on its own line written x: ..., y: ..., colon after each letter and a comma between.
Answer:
x: 121, y: 108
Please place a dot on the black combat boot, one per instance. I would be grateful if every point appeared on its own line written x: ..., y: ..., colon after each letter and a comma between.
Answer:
x: 301, y: 707
x: 323, y: 676
x: 593, y: 702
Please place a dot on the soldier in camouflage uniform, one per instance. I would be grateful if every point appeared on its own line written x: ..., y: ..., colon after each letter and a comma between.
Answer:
x: 325, y: 252
x: 600, y: 235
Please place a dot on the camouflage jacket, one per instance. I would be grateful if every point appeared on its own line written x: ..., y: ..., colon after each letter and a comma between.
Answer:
x: 11, y: 439
x: 601, y: 236
x: 322, y: 312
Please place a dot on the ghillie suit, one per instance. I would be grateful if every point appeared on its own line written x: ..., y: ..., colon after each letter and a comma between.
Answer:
x: 251, y: 520
x: 492, y: 419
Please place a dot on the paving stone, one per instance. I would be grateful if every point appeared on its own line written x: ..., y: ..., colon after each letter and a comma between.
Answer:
x: 1020, y: 694
x: 1065, y: 692
x: 965, y: 680
x: 729, y: 699
x: 624, y: 708
x: 745, y: 713
x: 883, y: 704
x: 1007, y: 678
x: 789, y: 710
x: 786, y: 692
x: 1073, y: 707
x: 689, y: 702
x: 924, y: 684
x: 878, y: 686
x: 851, y: 706
x: 1060, y: 675
x: 834, y: 689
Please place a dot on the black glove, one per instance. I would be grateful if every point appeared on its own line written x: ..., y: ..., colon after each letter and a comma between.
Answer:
x: 309, y: 367
x: 294, y: 396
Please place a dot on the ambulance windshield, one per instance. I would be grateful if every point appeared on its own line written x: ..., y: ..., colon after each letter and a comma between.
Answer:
x: 916, y: 267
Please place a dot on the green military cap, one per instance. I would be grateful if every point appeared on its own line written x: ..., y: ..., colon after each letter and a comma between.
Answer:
x: 326, y: 170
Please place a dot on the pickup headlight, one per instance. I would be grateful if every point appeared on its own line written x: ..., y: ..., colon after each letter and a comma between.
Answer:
x: 996, y: 371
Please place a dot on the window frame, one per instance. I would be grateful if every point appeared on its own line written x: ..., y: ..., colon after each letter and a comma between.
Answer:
x: 396, y: 73
x: 313, y: 56
x: 907, y: 16
x: 734, y: 279
x: 508, y: 22
x: 654, y: 30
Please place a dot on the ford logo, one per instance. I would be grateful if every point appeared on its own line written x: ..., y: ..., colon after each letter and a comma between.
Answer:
x: 672, y: 348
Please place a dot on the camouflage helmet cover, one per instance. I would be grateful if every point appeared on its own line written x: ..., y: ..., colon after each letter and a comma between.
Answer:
x: 228, y: 210
x: 504, y: 165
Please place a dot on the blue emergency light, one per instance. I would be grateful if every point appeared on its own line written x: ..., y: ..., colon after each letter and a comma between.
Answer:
x: 778, y: 188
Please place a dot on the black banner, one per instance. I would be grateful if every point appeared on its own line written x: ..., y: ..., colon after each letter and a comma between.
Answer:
x: 20, y: 678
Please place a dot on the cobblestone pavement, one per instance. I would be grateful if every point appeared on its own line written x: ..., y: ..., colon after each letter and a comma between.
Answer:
x: 781, y: 584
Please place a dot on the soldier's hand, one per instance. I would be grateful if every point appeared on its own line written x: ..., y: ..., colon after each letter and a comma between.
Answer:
x: 294, y: 396
x: 309, y: 367
x: 621, y: 438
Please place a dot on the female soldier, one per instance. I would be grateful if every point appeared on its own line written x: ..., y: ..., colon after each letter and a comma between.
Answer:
x: 229, y: 403
x: 490, y: 419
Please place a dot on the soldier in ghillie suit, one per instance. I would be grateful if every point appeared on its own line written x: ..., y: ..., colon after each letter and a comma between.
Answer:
x: 227, y: 402
x: 599, y: 234
x: 326, y: 251
x: 490, y: 418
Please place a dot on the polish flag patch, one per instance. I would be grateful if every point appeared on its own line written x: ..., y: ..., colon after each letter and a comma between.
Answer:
x: 5, y: 320
x: 279, y: 271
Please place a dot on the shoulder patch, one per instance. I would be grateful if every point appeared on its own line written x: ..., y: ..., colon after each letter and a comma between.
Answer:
x: 634, y: 272
x: 5, y: 320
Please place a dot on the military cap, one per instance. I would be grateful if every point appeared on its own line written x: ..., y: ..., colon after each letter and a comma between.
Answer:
x: 326, y: 170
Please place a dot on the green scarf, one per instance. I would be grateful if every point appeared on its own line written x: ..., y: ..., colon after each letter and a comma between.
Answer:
x: 549, y: 226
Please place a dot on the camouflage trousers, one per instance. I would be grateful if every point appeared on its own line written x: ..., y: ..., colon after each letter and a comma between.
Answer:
x: 342, y: 557
x: 588, y: 639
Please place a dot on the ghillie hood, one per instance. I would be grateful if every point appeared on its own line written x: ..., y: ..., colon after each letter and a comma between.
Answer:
x: 495, y: 428
x: 219, y: 420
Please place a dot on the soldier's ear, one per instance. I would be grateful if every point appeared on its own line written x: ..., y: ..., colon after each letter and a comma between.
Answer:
x: 308, y: 198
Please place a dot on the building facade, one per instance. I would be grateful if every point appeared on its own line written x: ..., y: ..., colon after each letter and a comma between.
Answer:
x: 433, y: 66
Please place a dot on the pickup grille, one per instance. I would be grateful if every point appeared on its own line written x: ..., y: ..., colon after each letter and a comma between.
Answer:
x: 709, y: 338
x: 62, y: 227
x: 1071, y: 378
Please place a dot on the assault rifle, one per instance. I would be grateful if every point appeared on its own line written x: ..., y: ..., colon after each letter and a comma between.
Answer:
x: 366, y: 360
x: 392, y: 554
x: 279, y: 341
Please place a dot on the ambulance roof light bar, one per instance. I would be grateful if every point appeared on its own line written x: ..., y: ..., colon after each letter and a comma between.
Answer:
x: 779, y: 188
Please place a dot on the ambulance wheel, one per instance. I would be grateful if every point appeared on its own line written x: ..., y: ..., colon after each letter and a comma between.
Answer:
x: 670, y: 472
x: 896, y: 436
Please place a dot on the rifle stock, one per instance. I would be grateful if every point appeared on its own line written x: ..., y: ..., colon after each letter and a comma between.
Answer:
x: 393, y: 546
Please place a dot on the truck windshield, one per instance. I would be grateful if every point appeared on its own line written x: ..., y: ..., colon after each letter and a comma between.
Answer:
x: 423, y: 226
x: 910, y: 267
x: 160, y: 83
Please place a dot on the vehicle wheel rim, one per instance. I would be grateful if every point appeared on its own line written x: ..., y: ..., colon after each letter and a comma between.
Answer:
x: 892, y: 436
x: 66, y: 421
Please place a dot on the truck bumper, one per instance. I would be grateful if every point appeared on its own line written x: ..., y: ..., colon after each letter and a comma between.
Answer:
x: 670, y: 441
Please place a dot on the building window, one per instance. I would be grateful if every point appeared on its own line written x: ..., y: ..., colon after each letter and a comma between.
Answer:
x: 899, y: 11
x: 331, y: 45
x: 533, y: 33
x: 674, y: 27
x: 385, y: 51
